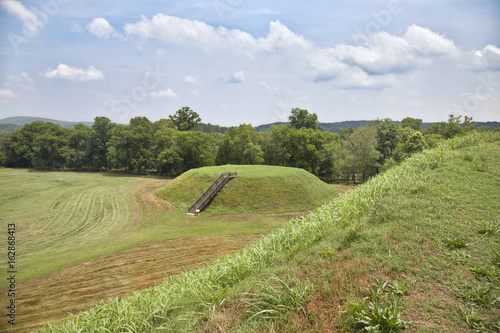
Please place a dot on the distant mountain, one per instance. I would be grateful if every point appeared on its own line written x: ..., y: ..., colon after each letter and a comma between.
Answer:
x: 12, y: 123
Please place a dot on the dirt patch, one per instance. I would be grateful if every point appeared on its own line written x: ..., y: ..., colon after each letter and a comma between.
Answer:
x: 53, y: 296
x: 148, y: 202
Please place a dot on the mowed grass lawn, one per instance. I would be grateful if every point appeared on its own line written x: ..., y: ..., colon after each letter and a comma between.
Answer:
x: 66, y: 218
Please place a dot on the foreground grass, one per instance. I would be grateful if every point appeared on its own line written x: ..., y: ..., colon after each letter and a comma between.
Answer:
x: 413, y: 248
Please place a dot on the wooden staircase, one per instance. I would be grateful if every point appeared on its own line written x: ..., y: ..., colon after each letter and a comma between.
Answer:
x: 211, y: 191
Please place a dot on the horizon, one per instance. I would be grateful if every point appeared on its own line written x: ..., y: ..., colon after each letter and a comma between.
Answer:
x: 237, y: 62
x: 255, y: 126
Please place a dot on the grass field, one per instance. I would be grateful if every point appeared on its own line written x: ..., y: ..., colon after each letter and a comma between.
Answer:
x: 84, y: 237
x: 414, y: 249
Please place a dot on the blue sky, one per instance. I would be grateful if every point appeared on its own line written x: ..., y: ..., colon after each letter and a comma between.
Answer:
x: 241, y: 61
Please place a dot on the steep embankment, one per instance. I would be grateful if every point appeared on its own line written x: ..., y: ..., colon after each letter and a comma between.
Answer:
x: 415, y: 247
x: 256, y: 190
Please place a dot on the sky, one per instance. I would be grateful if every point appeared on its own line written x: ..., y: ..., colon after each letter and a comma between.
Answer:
x: 242, y: 61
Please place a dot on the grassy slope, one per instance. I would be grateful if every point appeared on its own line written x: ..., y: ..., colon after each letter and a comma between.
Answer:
x: 311, y: 275
x: 256, y: 190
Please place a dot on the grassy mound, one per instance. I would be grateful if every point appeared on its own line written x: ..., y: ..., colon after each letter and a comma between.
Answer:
x: 256, y: 189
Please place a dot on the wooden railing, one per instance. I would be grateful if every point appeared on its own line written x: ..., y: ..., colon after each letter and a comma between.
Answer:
x: 204, y: 199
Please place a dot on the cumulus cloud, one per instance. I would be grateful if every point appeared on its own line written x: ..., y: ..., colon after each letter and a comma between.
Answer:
x: 73, y: 73
x: 486, y: 59
x: 237, y: 77
x: 384, y: 53
x: 101, y: 28
x: 32, y: 22
x: 194, y: 33
x: 198, y: 34
x: 372, y: 64
x: 168, y: 93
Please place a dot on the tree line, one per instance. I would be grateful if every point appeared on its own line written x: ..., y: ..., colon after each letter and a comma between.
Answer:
x: 174, y: 145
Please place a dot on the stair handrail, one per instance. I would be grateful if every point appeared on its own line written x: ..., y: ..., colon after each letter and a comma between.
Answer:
x: 209, y: 189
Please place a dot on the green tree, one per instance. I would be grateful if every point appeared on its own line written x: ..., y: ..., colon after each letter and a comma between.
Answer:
x: 366, y: 156
x: 301, y: 118
x: 305, y: 149
x: 328, y: 167
x: 197, y: 149
x: 241, y: 145
x: 276, y: 145
x: 388, y: 137
x: 102, y: 130
x: 413, y: 123
x: 118, y: 148
x: 452, y: 127
x: 140, y: 137
x: 80, y: 149
x: 5, y: 149
x: 185, y: 119
x: 414, y: 143
x: 347, y: 155
x: 42, y: 145
x: 168, y: 154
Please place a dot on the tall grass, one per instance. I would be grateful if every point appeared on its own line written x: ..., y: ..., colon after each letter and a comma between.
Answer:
x: 180, y: 302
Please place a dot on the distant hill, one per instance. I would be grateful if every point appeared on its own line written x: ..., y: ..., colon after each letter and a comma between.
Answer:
x: 12, y: 123
x: 335, y: 127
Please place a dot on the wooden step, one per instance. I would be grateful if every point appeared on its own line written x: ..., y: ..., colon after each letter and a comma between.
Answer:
x: 207, y: 196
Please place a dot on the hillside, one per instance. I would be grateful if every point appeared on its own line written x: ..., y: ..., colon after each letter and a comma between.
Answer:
x: 256, y: 190
x: 20, y: 121
x: 416, y: 247
x: 12, y: 123
x: 336, y: 126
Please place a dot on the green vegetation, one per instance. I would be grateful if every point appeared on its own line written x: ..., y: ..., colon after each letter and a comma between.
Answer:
x: 393, y: 227
x: 65, y: 218
x: 256, y: 190
x: 175, y: 145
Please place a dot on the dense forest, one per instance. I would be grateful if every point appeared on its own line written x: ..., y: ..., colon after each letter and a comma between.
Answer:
x: 181, y: 142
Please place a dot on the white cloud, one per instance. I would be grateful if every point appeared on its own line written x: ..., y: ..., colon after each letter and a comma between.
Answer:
x: 384, y: 53
x: 486, y: 59
x: 23, y: 81
x: 371, y: 65
x: 428, y: 43
x: 72, y: 73
x: 237, y: 77
x: 7, y: 94
x: 101, y: 28
x: 168, y: 93
x: 194, y: 33
x: 190, y: 79
x: 32, y: 22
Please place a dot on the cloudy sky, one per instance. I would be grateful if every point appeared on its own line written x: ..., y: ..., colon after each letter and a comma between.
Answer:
x: 242, y: 61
